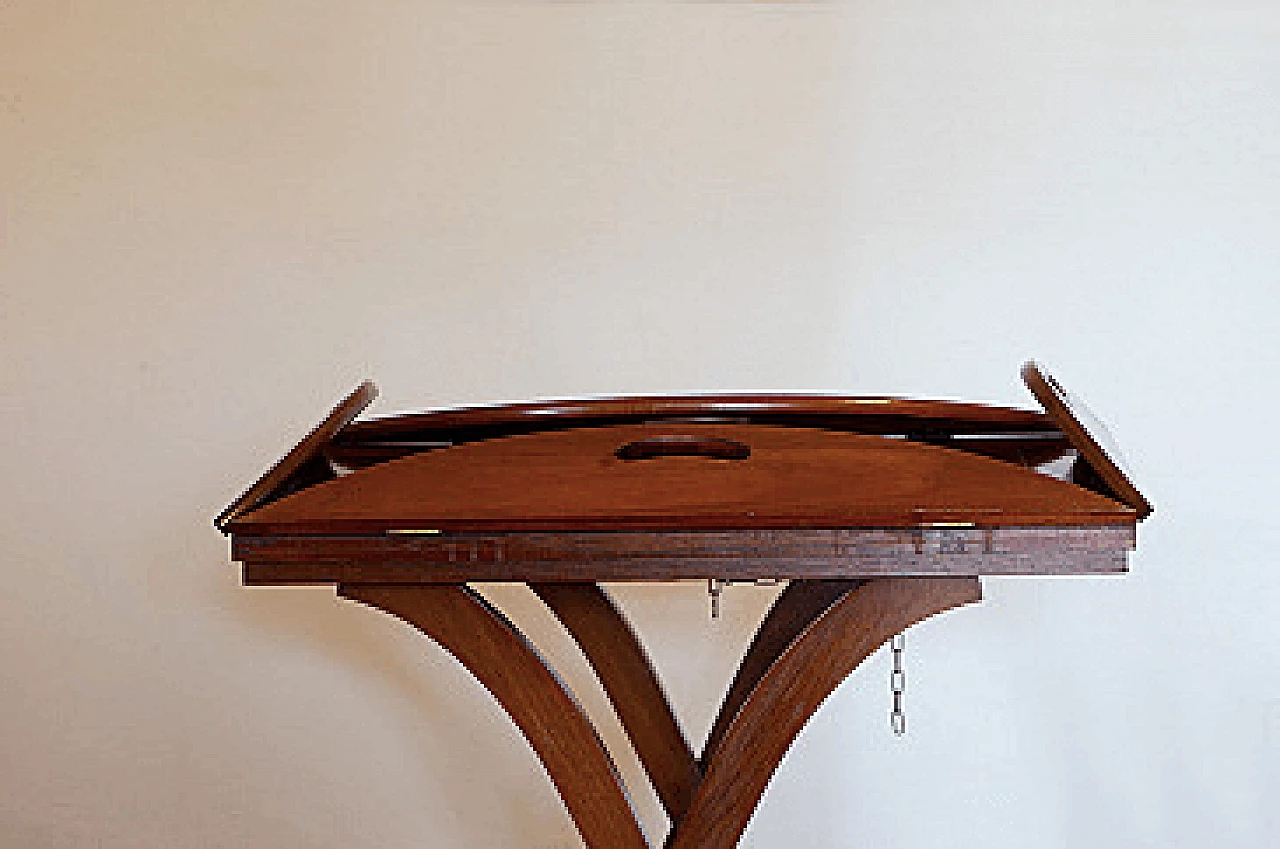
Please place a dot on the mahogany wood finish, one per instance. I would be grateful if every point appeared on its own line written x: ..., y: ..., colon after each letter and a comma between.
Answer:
x: 881, y: 511
x: 573, y: 480
x: 1030, y: 449
x: 619, y: 660
x: 503, y: 661
x: 1017, y: 436
x: 861, y: 414
x: 304, y: 454
x: 676, y: 555
x: 808, y: 644
x: 1059, y: 406
x: 837, y: 641
x: 797, y: 606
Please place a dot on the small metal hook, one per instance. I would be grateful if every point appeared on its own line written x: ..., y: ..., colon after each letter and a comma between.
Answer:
x: 715, y: 586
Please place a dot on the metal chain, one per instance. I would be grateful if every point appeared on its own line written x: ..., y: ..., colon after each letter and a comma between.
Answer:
x: 898, y: 686
x: 898, y: 645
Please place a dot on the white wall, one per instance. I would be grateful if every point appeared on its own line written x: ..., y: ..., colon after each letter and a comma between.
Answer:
x: 216, y: 217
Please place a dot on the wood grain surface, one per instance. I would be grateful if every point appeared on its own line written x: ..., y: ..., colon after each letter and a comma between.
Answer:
x: 881, y: 512
x: 679, y: 555
x: 1025, y: 437
x: 780, y: 705
x: 305, y: 453
x: 503, y: 661
x: 795, y: 608
x: 620, y: 662
x: 862, y: 414
x: 1060, y: 407
x: 792, y: 478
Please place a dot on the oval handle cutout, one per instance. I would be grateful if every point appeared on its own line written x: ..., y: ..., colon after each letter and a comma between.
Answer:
x: 714, y: 448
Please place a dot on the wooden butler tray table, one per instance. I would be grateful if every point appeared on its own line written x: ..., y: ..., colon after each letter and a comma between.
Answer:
x: 880, y: 512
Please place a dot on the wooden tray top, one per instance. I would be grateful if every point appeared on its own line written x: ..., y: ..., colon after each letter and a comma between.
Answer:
x: 695, y: 486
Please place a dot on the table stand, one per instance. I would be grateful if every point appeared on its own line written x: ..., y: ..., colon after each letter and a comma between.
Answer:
x: 814, y: 636
x: 401, y: 513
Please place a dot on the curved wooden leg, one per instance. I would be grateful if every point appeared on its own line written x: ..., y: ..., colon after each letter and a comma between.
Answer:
x: 499, y: 656
x: 797, y: 683
x: 816, y: 634
x: 619, y: 660
x: 798, y: 605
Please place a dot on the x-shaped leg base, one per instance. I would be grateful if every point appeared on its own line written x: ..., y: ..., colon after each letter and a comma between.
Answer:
x: 817, y: 632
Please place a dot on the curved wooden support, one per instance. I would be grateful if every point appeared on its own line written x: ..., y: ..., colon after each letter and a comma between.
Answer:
x: 499, y: 656
x: 793, y: 689
x: 798, y: 605
x: 619, y: 660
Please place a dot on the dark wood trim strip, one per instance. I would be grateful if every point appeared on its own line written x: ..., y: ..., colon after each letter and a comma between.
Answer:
x: 793, y: 689
x: 616, y: 654
x: 798, y: 605
x: 629, y: 556
x: 258, y: 574
x: 500, y: 657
